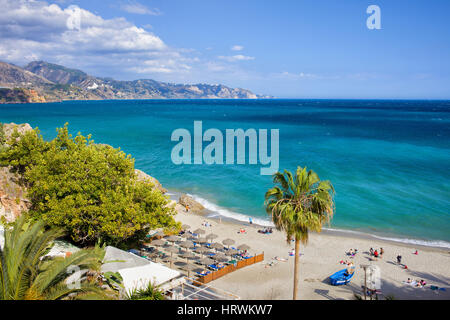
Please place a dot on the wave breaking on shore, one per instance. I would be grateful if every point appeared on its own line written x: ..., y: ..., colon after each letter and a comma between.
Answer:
x: 216, y: 212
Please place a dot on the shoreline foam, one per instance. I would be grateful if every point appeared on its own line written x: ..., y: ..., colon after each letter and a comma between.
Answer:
x: 321, y: 257
x: 216, y: 212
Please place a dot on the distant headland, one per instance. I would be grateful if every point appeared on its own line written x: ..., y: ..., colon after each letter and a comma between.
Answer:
x: 40, y: 81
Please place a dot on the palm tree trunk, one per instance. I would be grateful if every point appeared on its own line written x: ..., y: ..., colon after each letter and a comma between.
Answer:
x: 296, y: 265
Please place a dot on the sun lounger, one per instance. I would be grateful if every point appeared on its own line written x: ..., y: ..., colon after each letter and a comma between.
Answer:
x: 213, y: 266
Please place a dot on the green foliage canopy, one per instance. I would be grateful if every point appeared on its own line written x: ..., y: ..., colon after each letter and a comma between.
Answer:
x: 90, y: 190
x: 27, y: 274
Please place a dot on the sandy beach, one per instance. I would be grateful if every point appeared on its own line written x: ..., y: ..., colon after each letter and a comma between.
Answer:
x: 319, y: 259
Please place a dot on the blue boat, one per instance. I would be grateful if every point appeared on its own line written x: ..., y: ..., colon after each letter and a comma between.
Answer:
x: 341, y: 277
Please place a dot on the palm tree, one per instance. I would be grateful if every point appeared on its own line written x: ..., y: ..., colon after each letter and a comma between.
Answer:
x: 150, y: 292
x: 299, y: 204
x: 26, y: 274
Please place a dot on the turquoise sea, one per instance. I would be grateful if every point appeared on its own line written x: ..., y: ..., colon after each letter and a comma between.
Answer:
x: 388, y: 160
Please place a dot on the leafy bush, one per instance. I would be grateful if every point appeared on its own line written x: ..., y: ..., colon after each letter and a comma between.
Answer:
x: 90, y: 190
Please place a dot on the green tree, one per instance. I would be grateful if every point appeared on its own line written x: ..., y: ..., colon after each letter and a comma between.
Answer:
x: 90, y: 190
x: 299, y: 204
x: 23, y: 151
x: 26, y: 274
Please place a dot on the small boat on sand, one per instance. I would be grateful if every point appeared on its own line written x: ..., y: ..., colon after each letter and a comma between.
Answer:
x: 341, y: 277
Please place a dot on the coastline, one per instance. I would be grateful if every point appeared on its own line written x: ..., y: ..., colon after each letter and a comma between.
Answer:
x: 214, y: 212
x: 321, y: 258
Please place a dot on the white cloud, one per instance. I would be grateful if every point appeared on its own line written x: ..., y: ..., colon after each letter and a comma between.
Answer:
x: 138, y: 8
x: 116, y: 47
x: 305, y: 75
x: 238, y: 57
x: 31, y: 30
x: 237, y: 48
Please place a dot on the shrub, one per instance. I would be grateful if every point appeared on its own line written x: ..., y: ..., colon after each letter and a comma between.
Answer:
x: 90, y: 190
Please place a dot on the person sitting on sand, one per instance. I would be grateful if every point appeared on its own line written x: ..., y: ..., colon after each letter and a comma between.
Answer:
x: 381, y: 253
x: 350, y: 269
x: 416, y: 253
x: 187, y: 208
x: 371, y: 251
x: 399, y: 259
x: 375, y: 253
x: 409, y: 280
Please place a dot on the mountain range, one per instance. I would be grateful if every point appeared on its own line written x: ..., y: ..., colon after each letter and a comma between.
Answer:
x: 40, y: 81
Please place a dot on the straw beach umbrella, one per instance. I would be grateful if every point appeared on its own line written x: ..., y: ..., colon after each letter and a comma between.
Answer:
x: 172, y: 250
x: 187, y: 255
x: 206, y: 262
x: 172, y: 238
x: 199, y: 231
x: 185, y: 227
x: 220, y: 257
x: 244, y: 247
x: 187, y: 244
x: 228, y: 242
x: 189, y: 268
x: 231, y: 252
x: 202, y: 240
x: 169, y: 259
x: 217, y: 246
x: 201, y: 250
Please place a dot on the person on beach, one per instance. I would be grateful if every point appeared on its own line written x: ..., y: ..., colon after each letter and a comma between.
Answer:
x: 350, y: 269
x: 187, y: 208
x: 416, y: 253
x: 375, y: 253
x: 381, y: 253
x: 399, y: 259
x: 250, y: 220
x: 371, y: 251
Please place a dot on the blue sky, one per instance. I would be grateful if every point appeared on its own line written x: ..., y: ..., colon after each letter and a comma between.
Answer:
x: 289, y: 49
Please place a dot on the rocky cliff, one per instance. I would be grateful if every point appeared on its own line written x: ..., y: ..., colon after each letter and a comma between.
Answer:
x: 13, y: 199
x: 55, y: 83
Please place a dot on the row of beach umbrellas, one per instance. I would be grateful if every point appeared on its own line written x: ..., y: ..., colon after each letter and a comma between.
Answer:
x: 189, y: 244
